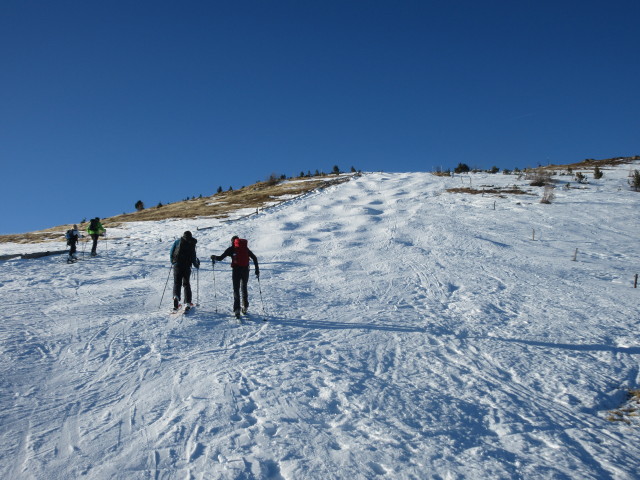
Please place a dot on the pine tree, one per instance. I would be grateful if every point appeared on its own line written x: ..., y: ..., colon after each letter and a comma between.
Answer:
x: 461, y: 168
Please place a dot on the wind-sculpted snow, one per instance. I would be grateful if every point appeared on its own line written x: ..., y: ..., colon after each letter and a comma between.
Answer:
x: 411, y: 333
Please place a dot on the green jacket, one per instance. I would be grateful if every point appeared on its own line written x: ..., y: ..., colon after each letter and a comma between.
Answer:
x: 98, y: 231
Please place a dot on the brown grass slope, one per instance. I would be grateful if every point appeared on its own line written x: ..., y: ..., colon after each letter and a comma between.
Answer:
x: 588, y: 164
x: 220, y: 205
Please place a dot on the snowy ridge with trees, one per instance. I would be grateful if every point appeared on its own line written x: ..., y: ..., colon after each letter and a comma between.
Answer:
x: 410, y: 333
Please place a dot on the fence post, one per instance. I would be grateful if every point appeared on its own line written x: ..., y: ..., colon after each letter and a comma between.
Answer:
x: 575, y: 255
x: 635, y: 282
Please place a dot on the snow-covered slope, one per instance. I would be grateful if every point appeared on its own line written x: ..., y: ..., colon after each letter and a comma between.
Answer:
x: 411, y: 333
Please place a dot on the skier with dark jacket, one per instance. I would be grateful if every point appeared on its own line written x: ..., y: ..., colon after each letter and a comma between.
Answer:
x: 240, y: 255
x: 72, y: 237
x: 183, y: 256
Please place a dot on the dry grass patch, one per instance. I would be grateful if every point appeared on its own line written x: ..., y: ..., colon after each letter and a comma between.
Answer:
x: 256, y: 197
x: 490, y: 191
x: 588, y: 164
x: 629, y: 413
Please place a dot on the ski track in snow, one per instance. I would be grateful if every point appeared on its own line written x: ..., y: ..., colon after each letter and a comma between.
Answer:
x: 411, y: 333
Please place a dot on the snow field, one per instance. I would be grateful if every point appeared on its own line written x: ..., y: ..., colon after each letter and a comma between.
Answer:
x: 411, y: 333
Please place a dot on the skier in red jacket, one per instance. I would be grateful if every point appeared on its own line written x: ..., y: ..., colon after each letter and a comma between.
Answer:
x: 240, y: 255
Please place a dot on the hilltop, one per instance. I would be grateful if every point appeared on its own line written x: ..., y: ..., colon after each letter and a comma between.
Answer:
x: 262, y: 195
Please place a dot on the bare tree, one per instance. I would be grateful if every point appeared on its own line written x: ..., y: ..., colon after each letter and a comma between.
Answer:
x: 548, y: 196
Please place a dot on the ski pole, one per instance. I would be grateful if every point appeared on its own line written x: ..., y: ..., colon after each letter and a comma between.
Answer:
x: 215, y: 294
x: 198, y: 286
x: 261, y: 300
x: 165, y: 286
x: 84, y: 244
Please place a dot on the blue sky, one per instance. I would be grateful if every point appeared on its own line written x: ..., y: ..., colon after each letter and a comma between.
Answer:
x: 106, y: 103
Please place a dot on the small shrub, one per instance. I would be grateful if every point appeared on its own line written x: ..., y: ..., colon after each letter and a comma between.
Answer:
x: 634, y: 181
x: 139, y: 205
x: 538, y: 178
x: 581, y: 178
x: 597, y: 173
x: 336, y: 170
x: 272, y: 180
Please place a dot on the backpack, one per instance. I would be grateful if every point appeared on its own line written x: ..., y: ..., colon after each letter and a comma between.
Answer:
x: 184, y: 252
x: 94, y: 225
x: 241, y: 253
x: 70, y: 237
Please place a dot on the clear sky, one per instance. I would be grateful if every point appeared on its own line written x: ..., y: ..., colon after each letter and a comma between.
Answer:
x: 103, y: 103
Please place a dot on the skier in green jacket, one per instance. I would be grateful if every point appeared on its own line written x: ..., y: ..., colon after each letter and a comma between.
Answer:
x: 95, y: 230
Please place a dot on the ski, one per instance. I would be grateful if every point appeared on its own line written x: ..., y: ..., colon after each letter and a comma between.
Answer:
x: 247, y: 316
x: 188, y: 309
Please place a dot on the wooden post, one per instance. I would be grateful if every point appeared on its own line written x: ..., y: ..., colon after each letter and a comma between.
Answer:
x: 575, y: 255
x: 533, y: 235
x: 494, y: 205
x: 635, y: 282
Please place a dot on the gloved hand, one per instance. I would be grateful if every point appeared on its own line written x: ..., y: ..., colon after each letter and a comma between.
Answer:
x: 258, y: 272
x: 197, y: 263
x: 213, y: 258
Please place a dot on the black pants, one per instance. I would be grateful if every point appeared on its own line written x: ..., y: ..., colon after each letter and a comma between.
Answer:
x: 182, y: 278
x: 240, y: 277
x: 95, y: 237
x: 72, y: 248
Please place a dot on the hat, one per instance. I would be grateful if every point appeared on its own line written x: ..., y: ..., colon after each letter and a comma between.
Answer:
x: 187, y: 234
